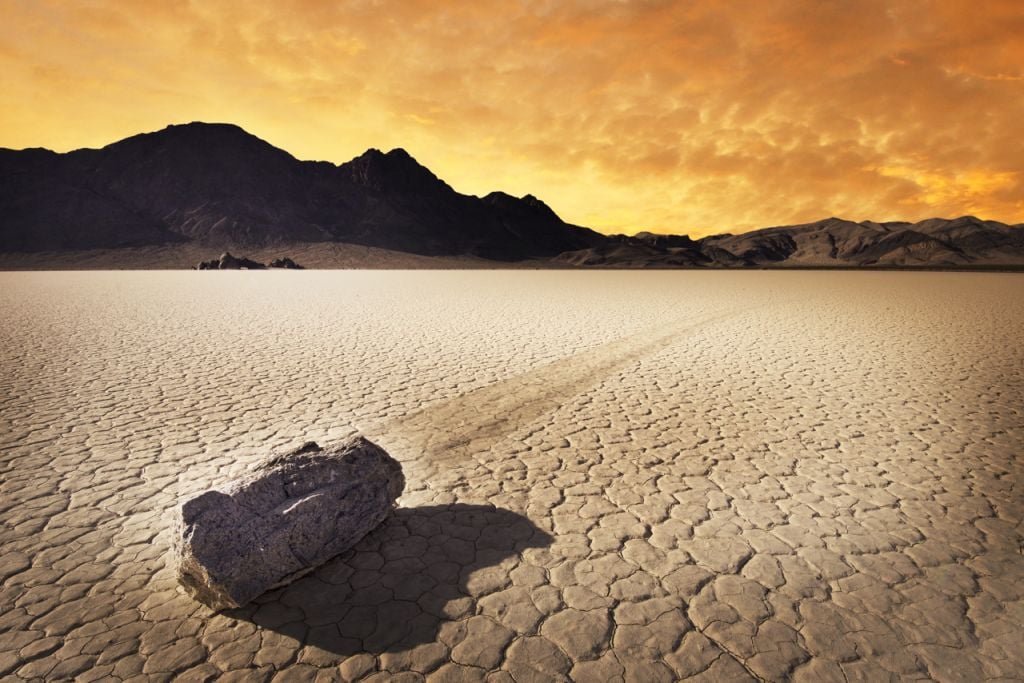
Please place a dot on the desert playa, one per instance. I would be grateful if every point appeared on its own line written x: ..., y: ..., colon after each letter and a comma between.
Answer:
x: 611, y: 475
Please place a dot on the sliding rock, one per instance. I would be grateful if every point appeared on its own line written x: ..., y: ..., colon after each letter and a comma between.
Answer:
x: 292, y: 513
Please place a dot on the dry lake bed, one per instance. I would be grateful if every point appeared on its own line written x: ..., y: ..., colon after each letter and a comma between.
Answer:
x: 611, y: 475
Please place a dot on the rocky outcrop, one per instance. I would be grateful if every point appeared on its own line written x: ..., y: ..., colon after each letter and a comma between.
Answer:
x: 286, y: 263
x: 229, y: 262
x: 292, y: 513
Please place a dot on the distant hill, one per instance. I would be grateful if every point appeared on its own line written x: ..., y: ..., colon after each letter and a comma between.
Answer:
x: 216, y: 187
x: 935, y: 242
x: 964, y: 242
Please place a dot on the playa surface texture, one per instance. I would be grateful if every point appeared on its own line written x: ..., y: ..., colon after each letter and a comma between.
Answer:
x: 610, y: 475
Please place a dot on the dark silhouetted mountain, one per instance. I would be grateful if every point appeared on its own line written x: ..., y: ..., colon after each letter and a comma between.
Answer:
x: 216, y: 186
x: 44, y: 207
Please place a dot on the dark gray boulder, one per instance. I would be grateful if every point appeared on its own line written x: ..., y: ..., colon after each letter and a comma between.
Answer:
x: 292, y: 513
x: 285, y: 263
x: 229, y: 262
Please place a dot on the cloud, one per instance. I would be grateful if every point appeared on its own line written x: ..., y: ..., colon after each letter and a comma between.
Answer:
x: 696, y: 117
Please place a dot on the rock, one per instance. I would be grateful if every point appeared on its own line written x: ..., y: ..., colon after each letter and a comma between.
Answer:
x: 229, y: 262
x: 285, y: 263
x: 292, y: 513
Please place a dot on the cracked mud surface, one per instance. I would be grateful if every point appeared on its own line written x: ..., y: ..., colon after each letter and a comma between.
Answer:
x: 611, y: 476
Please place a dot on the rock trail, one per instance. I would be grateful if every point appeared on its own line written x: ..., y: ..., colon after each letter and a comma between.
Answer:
x: 449, y: 430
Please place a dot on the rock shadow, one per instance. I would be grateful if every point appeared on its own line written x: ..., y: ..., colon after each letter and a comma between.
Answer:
x: 393, y: 591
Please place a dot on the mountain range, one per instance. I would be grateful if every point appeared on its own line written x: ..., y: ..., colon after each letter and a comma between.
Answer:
x: 218, y: 187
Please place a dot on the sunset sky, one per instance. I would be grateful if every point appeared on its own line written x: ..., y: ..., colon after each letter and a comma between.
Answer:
x: 691, y: 117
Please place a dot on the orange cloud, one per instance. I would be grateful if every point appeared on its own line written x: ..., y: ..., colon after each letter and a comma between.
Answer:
x: 697, y: 117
